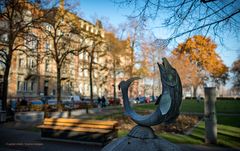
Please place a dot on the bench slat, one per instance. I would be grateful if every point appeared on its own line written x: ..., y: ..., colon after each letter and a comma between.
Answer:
x: 95, y: 122
x: 78, y: 129
x: 78, y: 125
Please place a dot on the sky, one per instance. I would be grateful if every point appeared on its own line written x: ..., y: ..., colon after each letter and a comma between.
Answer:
x: 117, y: 15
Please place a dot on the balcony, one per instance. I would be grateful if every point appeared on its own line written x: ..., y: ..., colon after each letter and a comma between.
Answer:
x: 64, y: 75
x: 30, y: 72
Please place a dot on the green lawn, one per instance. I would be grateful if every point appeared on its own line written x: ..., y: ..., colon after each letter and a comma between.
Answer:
x: 228, y: 136
x: 228, y: 124
x: 228, y: 106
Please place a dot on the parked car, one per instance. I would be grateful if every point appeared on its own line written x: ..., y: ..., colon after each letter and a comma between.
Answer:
x: 36, y: 105
x: 147, y: 100
x: 45, y: 98
x: 141, y: 99
x: 71, y: 102
x: 133, y: 101
x: 50, y: 102
x: 0, y: 105
x: 13, y: 104
x: 111, y: 101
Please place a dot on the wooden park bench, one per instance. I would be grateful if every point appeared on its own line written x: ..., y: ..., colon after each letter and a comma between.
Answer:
x: 77, y: 130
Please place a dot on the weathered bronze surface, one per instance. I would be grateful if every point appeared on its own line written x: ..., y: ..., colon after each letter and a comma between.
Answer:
x: 168, y: 103
x: 166, y: 112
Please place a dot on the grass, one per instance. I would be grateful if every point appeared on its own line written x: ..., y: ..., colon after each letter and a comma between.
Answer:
x: 228, y: 136
x: 228, y: 124
x: 228, y: 106
x: 228, y: 120
x: 223, y: 106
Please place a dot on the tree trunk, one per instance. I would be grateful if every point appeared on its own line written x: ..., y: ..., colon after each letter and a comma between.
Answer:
x: 195, y: 91
x: 5, y: 80
x: 90, y: 77
x: 59, y: 88
x: 131, y: 68
x: 114, y: 83
x: 5, y: 87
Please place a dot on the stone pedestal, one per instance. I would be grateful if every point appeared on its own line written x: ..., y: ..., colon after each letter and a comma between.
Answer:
x: 3, y: 116
x: 210, y: 115
x: 141, y: 138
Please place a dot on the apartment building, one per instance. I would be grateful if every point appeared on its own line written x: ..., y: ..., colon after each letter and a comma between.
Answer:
x: 120, y: 71
x: 34, y: 74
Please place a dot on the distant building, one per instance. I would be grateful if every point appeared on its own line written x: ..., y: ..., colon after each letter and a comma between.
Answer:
x: 32, y: 76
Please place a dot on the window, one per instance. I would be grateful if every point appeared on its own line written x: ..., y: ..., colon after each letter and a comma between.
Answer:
x: 31, y: 41
x: 19, y: 85
x: 47, y: 46
x: 86, y: 87
x: 46, y: 83
x: 4, y: 37
x: 81, y: 56
x: 94, y: 89
x: 32, y: 85
x: 70, y: 84
x: 20, y: 62
x: 80, y: 72
x: 85, y: 56
x: 47, y: 66
x: 71, y: 68
x: 85, y: 72
x: 30, y: 63
x: 25, y: 86
x: 85, y: 27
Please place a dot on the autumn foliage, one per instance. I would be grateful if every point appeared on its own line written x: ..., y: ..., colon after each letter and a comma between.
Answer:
x: 236, y: 71
x: 201, y: 51
x: 197, y: 61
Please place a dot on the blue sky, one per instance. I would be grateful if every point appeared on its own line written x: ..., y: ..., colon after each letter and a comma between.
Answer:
x: 117, y: 15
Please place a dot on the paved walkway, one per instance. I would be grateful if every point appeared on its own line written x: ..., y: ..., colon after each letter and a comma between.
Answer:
x: 19, y: 140
x: 13, y: 139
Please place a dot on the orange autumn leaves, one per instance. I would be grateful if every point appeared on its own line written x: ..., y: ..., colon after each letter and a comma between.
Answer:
x: 201, y: 51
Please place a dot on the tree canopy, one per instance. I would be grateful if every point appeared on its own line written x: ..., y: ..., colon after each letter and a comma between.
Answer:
x: 197, y: 62
x: 236, y: 71
x: 201, y: 50
x: 188, y: 16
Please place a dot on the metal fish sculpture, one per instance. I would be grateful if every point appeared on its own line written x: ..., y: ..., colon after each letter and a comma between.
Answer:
x: 168, y: 102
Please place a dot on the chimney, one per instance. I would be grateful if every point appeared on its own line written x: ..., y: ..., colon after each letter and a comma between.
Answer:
x: 99, y: 24
x: 61, y: 4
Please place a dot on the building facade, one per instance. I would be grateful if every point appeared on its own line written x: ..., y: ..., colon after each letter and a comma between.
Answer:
x: 34, y: 74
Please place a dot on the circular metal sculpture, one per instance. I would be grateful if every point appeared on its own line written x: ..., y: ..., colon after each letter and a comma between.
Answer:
x: 142, y: 137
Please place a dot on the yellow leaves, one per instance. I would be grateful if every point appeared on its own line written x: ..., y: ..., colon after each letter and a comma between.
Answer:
x: 200, y: 50
x: 188, y: 71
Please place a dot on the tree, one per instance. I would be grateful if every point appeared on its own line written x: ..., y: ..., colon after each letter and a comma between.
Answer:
x: 151, y: 52
x: 117, y: 50
x: 18, y: 19
x: 236, y: 71
x: 189, y: 16
x: 94, y: 52
x: 201, y: 52
x: 134, y: 33
x: 190, y: 75
x: 66, y: 37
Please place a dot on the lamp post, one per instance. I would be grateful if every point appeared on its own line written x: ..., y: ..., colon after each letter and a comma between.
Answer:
x: 114, y: 94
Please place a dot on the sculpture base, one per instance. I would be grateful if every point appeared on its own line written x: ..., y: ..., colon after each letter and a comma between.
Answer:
x: 141, y: 138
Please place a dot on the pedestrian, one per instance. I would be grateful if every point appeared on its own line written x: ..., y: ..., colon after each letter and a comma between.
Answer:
x: 99, y: 103
x: 198, y: 98
x: 103, y: 101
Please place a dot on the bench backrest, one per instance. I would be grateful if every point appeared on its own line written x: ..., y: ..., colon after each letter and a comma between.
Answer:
x: 80, y: 123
